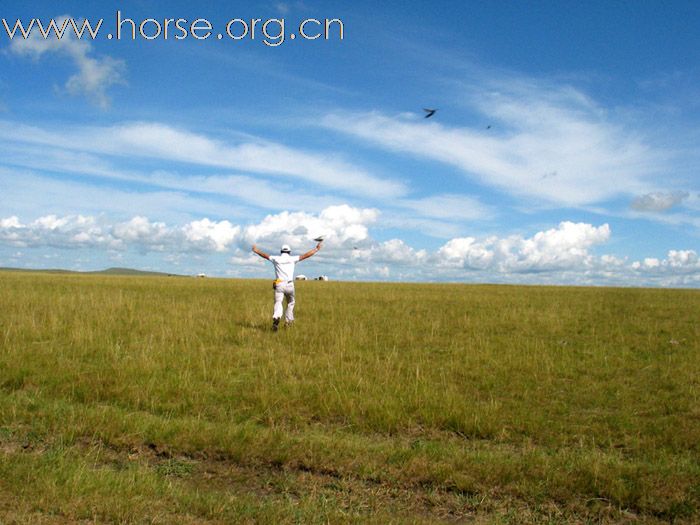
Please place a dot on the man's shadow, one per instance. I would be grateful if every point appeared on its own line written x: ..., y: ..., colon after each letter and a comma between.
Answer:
x: 255, y: 325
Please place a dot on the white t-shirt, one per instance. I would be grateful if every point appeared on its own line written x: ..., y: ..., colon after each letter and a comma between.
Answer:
x: 284, y: 266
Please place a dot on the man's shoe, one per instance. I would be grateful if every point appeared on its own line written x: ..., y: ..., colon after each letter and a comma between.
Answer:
x: 275, y: 324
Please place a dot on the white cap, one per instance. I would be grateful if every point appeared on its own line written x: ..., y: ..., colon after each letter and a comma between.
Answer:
x: 285, y: 248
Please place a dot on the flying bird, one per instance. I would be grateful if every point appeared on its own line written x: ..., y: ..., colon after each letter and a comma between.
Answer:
x: 430, y: 112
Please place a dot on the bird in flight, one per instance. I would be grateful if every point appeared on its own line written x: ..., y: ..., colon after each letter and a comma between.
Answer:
x: 429, y: 112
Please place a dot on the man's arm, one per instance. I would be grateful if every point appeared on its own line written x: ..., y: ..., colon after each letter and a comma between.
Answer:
x: 310, y: 252
x: 260, y: 253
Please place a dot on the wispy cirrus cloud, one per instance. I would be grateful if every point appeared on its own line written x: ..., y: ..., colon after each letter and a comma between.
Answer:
x: 22, y: 192
x: 449, y: 207
x: 440, y: 215
x: 160, y: 141
x: 551, y: 143
x: 34, y: 159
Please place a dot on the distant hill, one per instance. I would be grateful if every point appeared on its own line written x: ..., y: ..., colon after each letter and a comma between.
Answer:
x: 108, y: 271
x: 129, y: 271
x: 46, y: 270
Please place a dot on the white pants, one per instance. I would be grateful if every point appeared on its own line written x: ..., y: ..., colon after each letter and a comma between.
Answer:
x: 283, y: 290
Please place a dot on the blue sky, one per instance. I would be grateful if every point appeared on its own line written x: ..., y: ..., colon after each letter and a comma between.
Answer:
x: 564, y: 148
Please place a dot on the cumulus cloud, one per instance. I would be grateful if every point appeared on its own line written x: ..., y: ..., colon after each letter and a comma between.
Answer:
x: 391, y: 252
x: 94, y: 76
x: 139, y: 233
x: 659, y: 201
x: 565, y: 247
x: 683, y: 261
x: 211, y: 234
x: 680, y: 268
x: 340, y: 225
x: 561, y: 255
x: 467, y: 252
x: 53, y: 231
x: 9, y: 223
x: 147, y: 235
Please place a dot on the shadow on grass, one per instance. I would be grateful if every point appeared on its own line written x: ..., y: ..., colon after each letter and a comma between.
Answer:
x: 260, y: 326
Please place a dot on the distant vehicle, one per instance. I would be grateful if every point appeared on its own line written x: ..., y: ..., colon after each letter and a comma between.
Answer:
x: 301, y: 278
x: 322, y: 278
x: 201, y: 275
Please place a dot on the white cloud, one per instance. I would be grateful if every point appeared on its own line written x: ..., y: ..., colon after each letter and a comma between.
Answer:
x: 94, y: 76
x: 218, y: 235
x: 467, y: 252
x: 677, y: 261
x: 147, y: 235
x: 683, y: 259
x: 610, y: 261
x: 448, y: 207
x: 561, y: 255
x: 562, y: 252
x: 256, y: 191
x: 566, y: 247
x: 648, y: 263
x: 53, y: 231
x: 659, y: 201
x: 23, y: 192
x: 680, y: 268
x: 160, y: 141
x: 139, y: 233
x: 10, y: 222
x: 442, y: 215
x: 341, y: 225
x: 202, y: 235
x: 550, y: 143
x: 282, y: 7
x: 393, y: 251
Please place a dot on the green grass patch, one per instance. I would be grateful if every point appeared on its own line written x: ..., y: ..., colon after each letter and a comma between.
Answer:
x: 128, y: 399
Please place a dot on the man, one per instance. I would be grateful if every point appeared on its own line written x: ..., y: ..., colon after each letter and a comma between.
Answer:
x: 284, y: 280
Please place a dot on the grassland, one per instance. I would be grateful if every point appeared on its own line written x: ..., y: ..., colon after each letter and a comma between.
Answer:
x: 169, y: 400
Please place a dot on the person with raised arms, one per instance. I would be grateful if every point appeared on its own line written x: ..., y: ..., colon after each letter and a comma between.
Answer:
x: 283, y: 285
